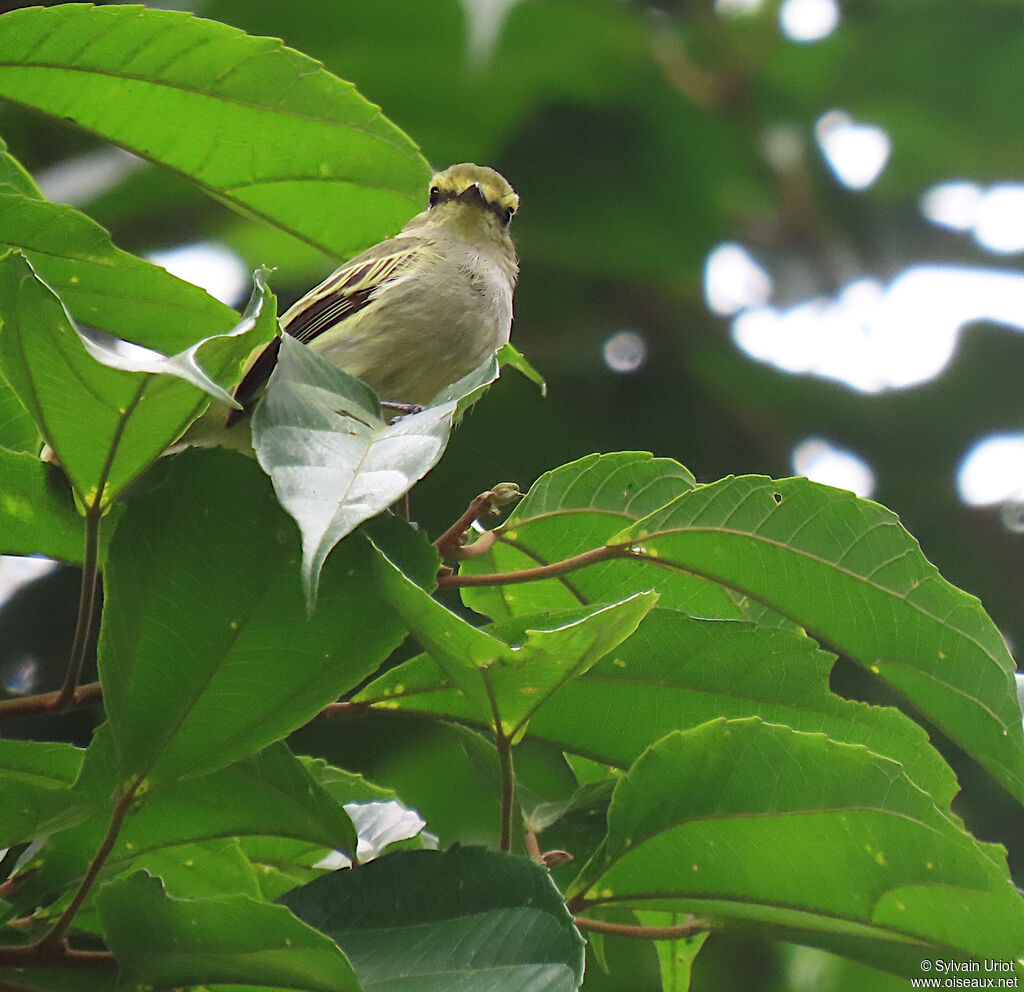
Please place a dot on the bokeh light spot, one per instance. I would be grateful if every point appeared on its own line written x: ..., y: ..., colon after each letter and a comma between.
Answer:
x: 735, y: 8
x: 625, y: 351
x: 999, y: 225
x: 213, y: 267
x: 19, y: 676
x: 734, y: 281
x: 953, y: 204
x: 808, y: 20
x: 821, y: 461
x: 992, y: 471
x: 874, y: 338
x: 16, y: 572
x: 856, y: 153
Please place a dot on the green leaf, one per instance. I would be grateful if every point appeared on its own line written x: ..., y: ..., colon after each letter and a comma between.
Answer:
x: 258, y: 125
x: 573, y: 509
x: 846, y: 570
x: 105, y: 287
x: 38, y: 513
x: 17, y: 428
x: 509, y: 355
x: 35, y: 780
x: 206, y: 652
x: 335, y: 463
x: 676, y: 672
x: 165, y: 942
x: 675, y: 956
x: 466, y: 919
x: 271, y: 795
x: 825, y: 842
x: 117, y: 353
x: 505, y: 683
x: 105, y: 425
x: 15, y: 175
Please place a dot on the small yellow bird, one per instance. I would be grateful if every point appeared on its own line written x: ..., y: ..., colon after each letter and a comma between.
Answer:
x: 418, y: 311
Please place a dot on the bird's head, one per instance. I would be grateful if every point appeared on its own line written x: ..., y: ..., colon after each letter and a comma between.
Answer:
x: 472, y: 199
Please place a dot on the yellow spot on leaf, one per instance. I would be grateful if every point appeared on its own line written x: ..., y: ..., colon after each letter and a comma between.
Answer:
x: 619, y: 663
x: 875, y: 669
x: 14, y: 507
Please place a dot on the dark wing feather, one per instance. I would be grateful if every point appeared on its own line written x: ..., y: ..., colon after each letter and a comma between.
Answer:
x: 343, y: 293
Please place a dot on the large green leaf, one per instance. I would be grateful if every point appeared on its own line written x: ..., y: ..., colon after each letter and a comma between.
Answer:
x: 846, y: 570
x: 739, y: 820
x: 164, y: 942
x: 35, y: 780
x: 257, y: 124
x: 318, y: 433
x: 37, y: 510
x: 573, y: 509
x: 466, y: 919
x: 105, y: 287
x: 105, y: 425
x: 206, y: 652
x: 678, y: 672
x: 504, y: 682
x: 270, y: 796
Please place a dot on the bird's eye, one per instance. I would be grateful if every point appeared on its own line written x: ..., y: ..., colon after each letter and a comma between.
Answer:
x: 435, y: 195
x: 509, y: 214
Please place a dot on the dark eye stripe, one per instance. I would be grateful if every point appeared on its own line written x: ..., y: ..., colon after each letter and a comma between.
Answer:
x: 444, y: 195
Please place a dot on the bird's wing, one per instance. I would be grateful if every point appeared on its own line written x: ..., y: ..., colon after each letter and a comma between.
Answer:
x: 344, y: 292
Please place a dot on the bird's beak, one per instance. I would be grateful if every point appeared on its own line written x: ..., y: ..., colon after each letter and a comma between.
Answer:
x: 471, y: 193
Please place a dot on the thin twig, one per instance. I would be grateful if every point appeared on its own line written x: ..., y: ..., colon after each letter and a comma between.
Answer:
x: 508, y: 779
x: 56, y: 956
x: 450, y: 544
x: 591, y: 557
x: 332, y: 710
x: 56, y: 935
x: 687, y: 929
x: 531, y: 845
x: 86, y: 606
x: 49, y: 702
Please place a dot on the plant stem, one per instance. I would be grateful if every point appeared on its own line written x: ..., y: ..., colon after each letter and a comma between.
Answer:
x: 47, y: 702
x: 591, y: 557
x: 508, y: 778
x: 86, y: 606
x: 59, y: 956
x: 642, y: 933
x: 56, y: 935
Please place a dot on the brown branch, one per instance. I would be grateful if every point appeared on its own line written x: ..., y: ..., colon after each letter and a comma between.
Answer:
x: 451, y: 544
x: 591, y: 557
x: 86, y: 606
x: 56, y: 956
x: 332, y: 710
x: 531, y: 845
x: 50, y: 702
x: 508, y: 776
x: 642, y: 933
x: 55, y: 938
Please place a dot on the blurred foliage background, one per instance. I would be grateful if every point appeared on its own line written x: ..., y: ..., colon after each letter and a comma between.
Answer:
x: 757, y: 237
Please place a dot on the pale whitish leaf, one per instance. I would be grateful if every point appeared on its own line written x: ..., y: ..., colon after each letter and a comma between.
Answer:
x: 116, y: 353
x: 378, y: 825
x: 334, y: 461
